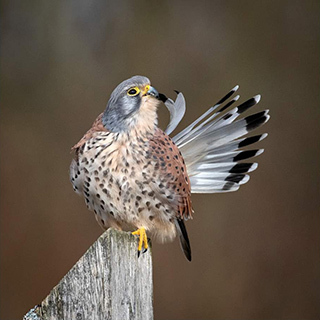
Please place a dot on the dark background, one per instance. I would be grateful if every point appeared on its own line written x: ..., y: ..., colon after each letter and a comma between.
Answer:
x: 256, y: 252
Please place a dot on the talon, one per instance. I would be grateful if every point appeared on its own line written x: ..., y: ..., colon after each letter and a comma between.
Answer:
x: 143, y: 240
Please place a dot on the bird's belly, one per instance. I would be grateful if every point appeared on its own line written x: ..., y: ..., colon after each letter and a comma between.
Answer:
x: 127, y: 196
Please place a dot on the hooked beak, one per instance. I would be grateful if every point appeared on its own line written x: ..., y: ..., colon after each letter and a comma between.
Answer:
x: 152, y: 92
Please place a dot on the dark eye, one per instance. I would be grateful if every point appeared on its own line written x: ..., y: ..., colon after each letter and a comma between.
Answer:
x: 133, y: 91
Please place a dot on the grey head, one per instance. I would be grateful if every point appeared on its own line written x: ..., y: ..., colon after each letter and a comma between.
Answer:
x: 124, y: 101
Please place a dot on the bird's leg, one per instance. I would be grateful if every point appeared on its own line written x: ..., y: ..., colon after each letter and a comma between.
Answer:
x: 143, y: 240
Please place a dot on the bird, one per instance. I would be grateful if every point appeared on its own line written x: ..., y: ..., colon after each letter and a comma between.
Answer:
x: 137, y: 178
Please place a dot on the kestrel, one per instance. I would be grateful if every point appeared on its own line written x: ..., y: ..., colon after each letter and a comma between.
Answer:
x: 136, y: 178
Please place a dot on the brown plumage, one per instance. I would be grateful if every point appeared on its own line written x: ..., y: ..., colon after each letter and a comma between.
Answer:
x: 97, y: 126
x: 173, y: 171
x: 134, y: 176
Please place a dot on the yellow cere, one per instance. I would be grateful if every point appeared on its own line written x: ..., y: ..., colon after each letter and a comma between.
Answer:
x: 146, y: 88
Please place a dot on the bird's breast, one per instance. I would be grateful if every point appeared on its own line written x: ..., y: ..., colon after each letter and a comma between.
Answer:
x: 120, y: 181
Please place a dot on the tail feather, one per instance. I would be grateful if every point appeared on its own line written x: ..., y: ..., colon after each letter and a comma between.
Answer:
x: 212, y: 145
x: 237, y: 144
x: 184, y: 239
x: 216, y: 136
x: 184, y: 134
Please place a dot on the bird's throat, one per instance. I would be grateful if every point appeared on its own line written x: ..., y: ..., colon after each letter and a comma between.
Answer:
x: 146, y: 118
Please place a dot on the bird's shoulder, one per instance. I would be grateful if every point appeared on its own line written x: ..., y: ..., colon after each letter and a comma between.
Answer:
x: 96, y: 127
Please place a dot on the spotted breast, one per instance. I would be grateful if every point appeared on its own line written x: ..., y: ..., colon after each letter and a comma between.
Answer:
x: 132, y: 181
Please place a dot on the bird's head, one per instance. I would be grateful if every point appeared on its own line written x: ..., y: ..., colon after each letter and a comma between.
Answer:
x: 132, y: 103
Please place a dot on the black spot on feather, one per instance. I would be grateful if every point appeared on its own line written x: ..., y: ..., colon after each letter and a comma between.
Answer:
x: 227, y: 96
x: 245, y: 155
x: 228, y: 185
x: 246, y: 105
x: 241, y: 168
x: 255, y: 120
x: 235, y: 177
x: 227, y: 105
x: 250, y: 140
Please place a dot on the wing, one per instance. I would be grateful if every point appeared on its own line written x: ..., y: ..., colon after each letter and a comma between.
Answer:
x: 97, y: 126
x: 211, y: 145
x: 173, y: 174
x: 77, y: 176
x: 172, y: 171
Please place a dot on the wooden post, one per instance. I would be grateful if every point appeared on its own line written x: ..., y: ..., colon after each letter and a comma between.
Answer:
x: 108, y: 282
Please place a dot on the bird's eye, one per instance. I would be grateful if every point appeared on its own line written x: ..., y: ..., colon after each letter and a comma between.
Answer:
x: 133, y: 91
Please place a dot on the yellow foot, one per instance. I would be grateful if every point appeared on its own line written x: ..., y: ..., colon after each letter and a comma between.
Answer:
x: 143, y: 240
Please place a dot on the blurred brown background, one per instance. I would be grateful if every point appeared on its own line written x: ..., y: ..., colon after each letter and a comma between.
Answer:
x: 256, y: 251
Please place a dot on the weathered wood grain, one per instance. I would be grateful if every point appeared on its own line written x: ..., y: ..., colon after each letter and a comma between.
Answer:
x: 108, y: 282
